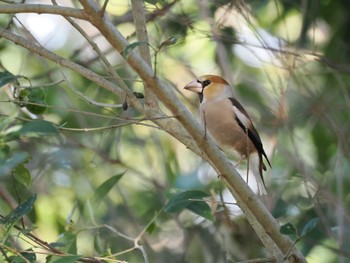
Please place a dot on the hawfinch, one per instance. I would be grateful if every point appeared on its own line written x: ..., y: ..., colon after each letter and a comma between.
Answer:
x: 229, y: 124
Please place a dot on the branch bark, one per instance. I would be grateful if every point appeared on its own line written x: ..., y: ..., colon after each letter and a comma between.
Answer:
x: 142, y: 36
x: 43, y: 9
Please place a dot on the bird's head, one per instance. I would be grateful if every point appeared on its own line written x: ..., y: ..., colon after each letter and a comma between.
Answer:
x: 210, y: 87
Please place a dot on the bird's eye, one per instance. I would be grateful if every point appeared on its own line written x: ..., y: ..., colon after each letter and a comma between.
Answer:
x: 206, y: 83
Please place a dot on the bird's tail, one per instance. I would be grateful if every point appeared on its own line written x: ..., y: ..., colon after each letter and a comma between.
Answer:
x: 255, y: 165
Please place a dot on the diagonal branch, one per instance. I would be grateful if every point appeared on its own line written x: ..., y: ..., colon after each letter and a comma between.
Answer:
x: 142, y: 36
x: 43, y: 9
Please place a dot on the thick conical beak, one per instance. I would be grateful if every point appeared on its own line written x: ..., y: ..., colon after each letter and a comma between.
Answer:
x: 194, y: 86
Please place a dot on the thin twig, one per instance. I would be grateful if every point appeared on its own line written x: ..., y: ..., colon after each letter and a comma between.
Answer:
x: 138, y: 10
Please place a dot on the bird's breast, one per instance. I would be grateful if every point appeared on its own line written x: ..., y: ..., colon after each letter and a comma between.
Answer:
x: 219, y: 120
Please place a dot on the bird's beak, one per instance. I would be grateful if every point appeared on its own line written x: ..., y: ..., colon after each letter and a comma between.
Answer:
x: 194, y: 86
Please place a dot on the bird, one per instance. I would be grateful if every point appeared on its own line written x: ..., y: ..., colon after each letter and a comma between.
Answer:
x: 229, y: 124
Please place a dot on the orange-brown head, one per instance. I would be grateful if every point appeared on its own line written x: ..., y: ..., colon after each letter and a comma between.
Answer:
x: 210, y: 87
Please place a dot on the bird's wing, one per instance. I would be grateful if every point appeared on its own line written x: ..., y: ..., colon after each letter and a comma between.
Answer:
x: 246, y: 124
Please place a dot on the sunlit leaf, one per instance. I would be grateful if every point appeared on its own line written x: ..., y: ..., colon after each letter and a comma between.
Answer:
x: 20, y: 211
x: 22, y: 175
x: 192, y: 200
x: 105, y: 187
x: 288, y: 229
x: 309, y: 226
x: 38, y: 127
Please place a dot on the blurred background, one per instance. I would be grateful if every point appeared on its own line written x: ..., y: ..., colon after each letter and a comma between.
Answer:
x: 101, y: 182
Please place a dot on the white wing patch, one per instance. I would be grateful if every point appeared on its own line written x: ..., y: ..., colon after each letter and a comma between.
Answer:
x: 243, y: 119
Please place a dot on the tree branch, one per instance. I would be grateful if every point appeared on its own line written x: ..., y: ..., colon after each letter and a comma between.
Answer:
x: 142, y: 36
x: 141, y: 29
x: 43, y: 9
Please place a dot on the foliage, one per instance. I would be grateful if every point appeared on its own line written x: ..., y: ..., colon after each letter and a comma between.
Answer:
x: 87, y: 176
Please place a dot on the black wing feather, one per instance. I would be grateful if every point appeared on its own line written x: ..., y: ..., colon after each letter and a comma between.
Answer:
x: 252, y: 133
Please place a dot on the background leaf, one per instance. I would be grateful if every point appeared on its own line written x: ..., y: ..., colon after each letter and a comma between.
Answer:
x: 288, y: 229
x: 126, y: 52
x: 38, y: 127
x: 7, y: 77
x: 20, y: 211
x: 27, y: 256
x: 191, y: 200
x: 11, y: 162
x: 309, y: 226
x: 105, y: 187
x: 66, y: 259
x: 22, y: 175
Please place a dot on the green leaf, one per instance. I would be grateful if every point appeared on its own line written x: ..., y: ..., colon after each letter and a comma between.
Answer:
x: 288, y: 229
x: 38, y: 127
x: 152, y: 2
x: 37, y: 96
x: 67, y: 259
x: 309, y: 226
x: 89, y: 211
x: 22, y: 175
x: 139, y: 95
x: 19, y: 211
x: 38, y: 108
x: 12, y: 162
x: 4, y: 151
x: 99, y: 244
x: 151, y: 228
x: 67, y: 243
x: 169, y: 42
x: 129, y: 48
x: 201, y: 208
x: 37, y: 93
x: 7, y: 77
x: 191, y: 200
x: 26, y: 256
x: 105, y: 187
